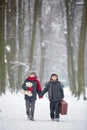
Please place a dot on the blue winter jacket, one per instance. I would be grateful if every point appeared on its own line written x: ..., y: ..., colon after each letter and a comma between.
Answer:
x: 55, y: 90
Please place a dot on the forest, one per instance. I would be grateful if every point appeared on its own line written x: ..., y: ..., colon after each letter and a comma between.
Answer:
x: 46, y: 36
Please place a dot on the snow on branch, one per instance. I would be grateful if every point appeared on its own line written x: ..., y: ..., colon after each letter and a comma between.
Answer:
x: 18, y: 63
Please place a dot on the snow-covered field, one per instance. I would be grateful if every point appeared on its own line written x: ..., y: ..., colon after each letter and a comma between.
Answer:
x: 13, y: 116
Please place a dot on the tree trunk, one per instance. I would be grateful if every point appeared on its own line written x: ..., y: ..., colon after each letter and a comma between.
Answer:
x: 11, y: 41
x: 70, y: 49
x: 2, y: 47
x: 81, y: 51
x: 42, y: 60
x: 35, y: 17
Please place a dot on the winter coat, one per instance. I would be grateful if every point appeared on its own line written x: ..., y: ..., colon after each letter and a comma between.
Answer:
x: 36, y: 88
x: 55, y: 91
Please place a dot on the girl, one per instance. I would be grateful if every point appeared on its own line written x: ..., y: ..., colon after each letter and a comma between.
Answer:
x: 32, y: 87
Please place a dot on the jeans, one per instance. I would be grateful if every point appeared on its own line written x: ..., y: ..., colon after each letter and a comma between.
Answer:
x: 30, y: 107
x: 54, y: 109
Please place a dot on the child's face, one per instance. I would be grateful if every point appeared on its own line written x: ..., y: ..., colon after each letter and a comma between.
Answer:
x: 54, y: 78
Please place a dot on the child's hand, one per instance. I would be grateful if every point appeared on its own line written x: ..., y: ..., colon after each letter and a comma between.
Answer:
x: 40, y: 95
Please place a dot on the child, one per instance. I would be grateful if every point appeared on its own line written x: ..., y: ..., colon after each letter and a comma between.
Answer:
x: 32, y: 87
x: 55, y: 92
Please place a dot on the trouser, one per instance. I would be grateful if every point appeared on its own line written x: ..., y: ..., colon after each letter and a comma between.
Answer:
x: 30, y: 107
x: 54, y: 110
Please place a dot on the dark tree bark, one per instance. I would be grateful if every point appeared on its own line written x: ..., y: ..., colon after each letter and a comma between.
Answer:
x: 11, y: 41
x: 70, y: 50
x: 81, y: 52
x: 2, y: 46
x: 35, y: 17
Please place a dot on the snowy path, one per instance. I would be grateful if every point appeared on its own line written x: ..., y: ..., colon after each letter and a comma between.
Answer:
x: 13, y: 117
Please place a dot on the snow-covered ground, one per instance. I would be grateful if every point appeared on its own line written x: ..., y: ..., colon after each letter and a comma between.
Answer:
x: 13, y: 116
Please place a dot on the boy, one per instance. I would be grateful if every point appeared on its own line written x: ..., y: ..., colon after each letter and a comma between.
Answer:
x: 55, y: 92
x: 32, y: 87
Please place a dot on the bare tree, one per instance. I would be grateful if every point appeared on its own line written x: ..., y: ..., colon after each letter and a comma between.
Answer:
x: 19, y: 43
x: 2, y: 46
x: 70, y: 6
x: 81, y: 52
x: 10, y: 29
x: 35, y: 17
x: 42, y: 60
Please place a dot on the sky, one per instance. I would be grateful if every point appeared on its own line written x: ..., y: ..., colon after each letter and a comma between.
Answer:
x: 13, y: 115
